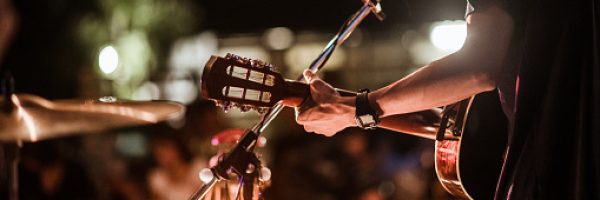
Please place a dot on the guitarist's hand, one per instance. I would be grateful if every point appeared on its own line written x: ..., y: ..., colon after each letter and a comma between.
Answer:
x: 327, y: 112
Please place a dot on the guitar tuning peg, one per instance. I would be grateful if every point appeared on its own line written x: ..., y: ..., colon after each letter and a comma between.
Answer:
x: 236, y: 58
x: 271, y: 67
x: 232, y: 56
x: 258, y: 63
x: 261, y: 63
x: 226, y: 109
x: 262, y: 110
x: 245, y: 108
x: 246, y: 61
x: 254, y: 63
x: 219, y: 103
x: 225, y: 105
x: 235, y: 105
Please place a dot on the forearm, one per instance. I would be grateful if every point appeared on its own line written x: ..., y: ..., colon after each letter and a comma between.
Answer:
x: 442, y: 82
x: 422, y: 124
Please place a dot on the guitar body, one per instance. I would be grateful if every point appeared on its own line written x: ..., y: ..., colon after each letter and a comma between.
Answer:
x: 468, y: 165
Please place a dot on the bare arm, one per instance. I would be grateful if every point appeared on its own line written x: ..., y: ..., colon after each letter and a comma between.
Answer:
x: 471, y: 70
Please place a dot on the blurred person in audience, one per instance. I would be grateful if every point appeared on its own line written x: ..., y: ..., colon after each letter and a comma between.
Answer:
x: 49, y: 170
x: 8, y: 20
x: 175, y: 176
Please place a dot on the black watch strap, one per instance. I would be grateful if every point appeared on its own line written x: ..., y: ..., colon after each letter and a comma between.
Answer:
x: 366, y: 116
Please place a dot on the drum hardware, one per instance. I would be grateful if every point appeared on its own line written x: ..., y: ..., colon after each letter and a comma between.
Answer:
x: 30, y: 118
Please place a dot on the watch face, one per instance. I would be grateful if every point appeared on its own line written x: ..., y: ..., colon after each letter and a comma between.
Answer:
x: 367, y: 119
x: 366, y: 122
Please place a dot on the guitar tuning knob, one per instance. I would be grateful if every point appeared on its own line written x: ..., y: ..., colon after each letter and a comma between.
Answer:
x: 258, y: 63
x: 232, y: 56
x: 262, y: 110
x: 271, y: 67
x: 255, y: 64
x: 226, y: 105
x: 218, y: 103
x: 245, y: 108
x: 235, y: 105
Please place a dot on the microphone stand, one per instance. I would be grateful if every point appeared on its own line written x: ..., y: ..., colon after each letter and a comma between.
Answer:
x: 241, y: 160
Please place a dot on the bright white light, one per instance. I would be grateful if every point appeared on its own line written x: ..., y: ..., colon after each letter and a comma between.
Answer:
x: 108, y: 60
x: 265, y: 174
x: 449, y: 36
x: 206, y: 175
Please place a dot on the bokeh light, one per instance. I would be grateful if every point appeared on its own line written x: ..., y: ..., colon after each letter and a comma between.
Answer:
x: 449, y: 35
x: 108, y: 60
x: 279, y: 38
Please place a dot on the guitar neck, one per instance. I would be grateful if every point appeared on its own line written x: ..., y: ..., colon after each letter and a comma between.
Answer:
x: 296, y: 92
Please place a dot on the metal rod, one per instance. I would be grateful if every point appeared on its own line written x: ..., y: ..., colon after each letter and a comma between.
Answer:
x: 10, y: 158
x: 318, y: 63
x: 14, y: 175
x: 205, y: 188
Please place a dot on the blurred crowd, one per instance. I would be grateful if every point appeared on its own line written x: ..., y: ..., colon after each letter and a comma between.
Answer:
x: 164, y: 163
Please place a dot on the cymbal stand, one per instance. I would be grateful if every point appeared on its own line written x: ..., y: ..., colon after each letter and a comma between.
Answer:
x: 10, y: 153
x: 242, y: 160
x: 10, y: 150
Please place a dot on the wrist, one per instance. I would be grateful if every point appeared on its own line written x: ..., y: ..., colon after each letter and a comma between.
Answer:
x: 374, y: 104
x: 349, y: 104
x: 366, y: 116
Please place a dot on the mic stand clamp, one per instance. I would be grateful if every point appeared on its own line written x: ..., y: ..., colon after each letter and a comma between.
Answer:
x: 241, y: 161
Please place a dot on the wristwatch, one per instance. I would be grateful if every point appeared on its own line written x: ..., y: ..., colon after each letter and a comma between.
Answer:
x: 366, y: 116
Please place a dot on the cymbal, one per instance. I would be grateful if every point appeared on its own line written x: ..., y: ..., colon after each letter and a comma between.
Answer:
x: 34, y: 118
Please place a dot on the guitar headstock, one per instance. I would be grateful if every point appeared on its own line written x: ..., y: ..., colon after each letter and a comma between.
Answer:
x: 235, y: 81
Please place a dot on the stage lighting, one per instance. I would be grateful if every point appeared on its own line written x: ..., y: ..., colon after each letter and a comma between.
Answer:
x: 108, y: 60
x: 449, y: 35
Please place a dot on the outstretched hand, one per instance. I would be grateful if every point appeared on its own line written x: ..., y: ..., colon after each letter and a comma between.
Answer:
x: 326, y: 112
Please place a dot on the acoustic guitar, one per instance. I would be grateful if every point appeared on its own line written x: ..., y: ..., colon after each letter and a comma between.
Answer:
x: 467, y: 160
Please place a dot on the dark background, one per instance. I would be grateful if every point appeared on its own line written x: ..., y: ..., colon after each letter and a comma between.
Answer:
x: 52, y: 56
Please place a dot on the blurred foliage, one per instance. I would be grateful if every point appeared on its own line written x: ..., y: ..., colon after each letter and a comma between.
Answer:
x: 142, y: 31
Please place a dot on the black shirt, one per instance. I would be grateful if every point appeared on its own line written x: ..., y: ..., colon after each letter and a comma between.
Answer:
x: 550, y: 90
